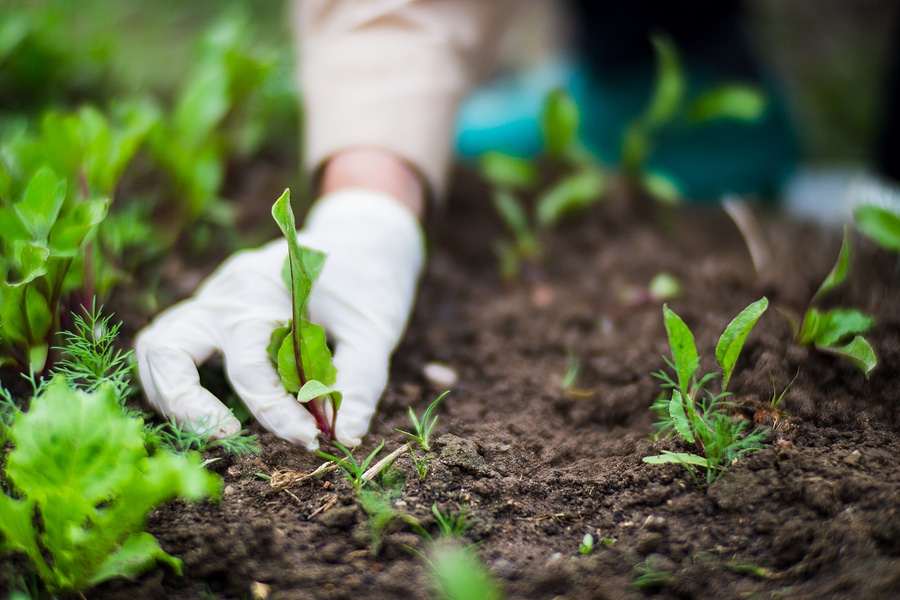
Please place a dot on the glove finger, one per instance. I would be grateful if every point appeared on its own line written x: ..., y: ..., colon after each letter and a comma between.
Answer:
x: 362, y: 376
x: 168, y: 352
x: 256, y: 381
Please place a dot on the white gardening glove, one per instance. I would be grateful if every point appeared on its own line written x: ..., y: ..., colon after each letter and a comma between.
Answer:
x: 363, y: 298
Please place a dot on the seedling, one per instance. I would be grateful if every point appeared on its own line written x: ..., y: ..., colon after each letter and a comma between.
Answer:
x: 299, y: 349
x: 648, y: 575
x: 352, y: 469
x: 451, y: 525
x: 425, y: 426
x: 83, y: 485
x: 583, y: 186
x: 836, y: 331
x: 587, y: 544
x: 458, y: 574
x: 695, y: 413
x: 669, y: 107
x: 421, y: 464
x: 376, y: 502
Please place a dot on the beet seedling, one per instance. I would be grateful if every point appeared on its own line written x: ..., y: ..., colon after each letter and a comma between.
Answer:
x: 299, y: 349
x: 837, y: 331
x: 694, y: 412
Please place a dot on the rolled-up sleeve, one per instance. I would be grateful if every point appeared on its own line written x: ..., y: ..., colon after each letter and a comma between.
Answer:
x: 389, y: 74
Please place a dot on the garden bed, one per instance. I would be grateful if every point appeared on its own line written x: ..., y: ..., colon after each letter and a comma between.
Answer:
x: 813, y: 515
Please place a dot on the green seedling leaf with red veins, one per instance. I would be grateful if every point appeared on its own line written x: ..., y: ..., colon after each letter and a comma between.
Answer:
x: 299, y: 349
x: 837, y: 331
x: 83, y: 486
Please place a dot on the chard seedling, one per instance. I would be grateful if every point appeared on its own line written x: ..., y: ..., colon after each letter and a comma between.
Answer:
x: 837, y: 331
x: 82, y: 486
x: 352, y: 469
x: 425, y: 426
x: 695, y: 413
x: 299, y: 349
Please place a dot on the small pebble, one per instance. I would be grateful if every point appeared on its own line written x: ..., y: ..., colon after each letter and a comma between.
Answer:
x: 440, y: 375
x: 853, y: 459
x: 229, y: 490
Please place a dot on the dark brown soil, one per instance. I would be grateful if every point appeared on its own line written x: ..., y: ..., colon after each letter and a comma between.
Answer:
x: 813, y: 515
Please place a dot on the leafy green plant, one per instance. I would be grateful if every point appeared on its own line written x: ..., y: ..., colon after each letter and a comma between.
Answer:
x: 82, y: 485
x: 695, y: 413
x: 669, y: 106
x: 299, y: 349
x: 352, y: 469
x: 425, y: 426
x: 838, y: 331
x: 583, y: 185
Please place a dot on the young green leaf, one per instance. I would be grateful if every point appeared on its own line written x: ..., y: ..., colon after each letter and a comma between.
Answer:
x: 838, y: 272
x: 559, y: 123
x: 684, y: 350
x: 505, y: 171
x: 858, y: 351
x: 680, y: 421
x: 43, y: 200
x: 731, y: 342
x: 880, y: 223
x: 668, y: 94
x: 740, y: 102
x: 679, y: 458
x: 569, y: 195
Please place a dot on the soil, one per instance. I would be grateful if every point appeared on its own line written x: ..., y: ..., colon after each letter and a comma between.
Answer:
x: 812, y: 515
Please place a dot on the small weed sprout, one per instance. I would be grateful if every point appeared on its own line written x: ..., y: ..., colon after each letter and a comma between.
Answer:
x: 376, y: 502
x: 450, y: 525
x: 352, y: 469
x: 692, y: 411
x: 837, y: 331
x: 648, y: 575
x: 421, y: 464
x: 425, y: 426
x: 587, y: 544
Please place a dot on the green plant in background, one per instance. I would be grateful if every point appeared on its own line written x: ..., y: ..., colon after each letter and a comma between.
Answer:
x: 694, y: 412
x: 587, y: 544
x: 582, y: 186
x: 458, y: 574
x: 837, y: 331
x: 669, y: 105
x: 80, y: 487
x: 879, y: 220
x: 299, y: 349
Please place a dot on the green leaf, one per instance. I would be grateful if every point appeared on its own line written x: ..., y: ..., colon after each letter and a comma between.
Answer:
x: 881, y: 224
x: 559, y: 122
x: 838, y: 272
x: 287, y: 366
x: 76, y: 227
x: 679, y: 419
x: 503, y: 170
x: 732, y: 339
x: 668, y: 93
x: 661, y: 187
x: 306, y: 264
x: 32, y: 259
x: 740, y: 102
x: 43, y: 200
x: 831, y: 327
x: 316, y: 355
x: 684, y: 350
x: 313, y: 389
x: 276, y: 341
x: 680, y: 458
x: 569, y: 195
x: 858, y: 351
x: 139, y: 553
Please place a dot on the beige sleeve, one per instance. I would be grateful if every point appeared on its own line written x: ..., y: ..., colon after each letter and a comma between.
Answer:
x: 389, y: 74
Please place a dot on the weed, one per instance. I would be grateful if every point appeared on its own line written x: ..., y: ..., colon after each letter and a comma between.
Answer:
x: 178, y: 437
x: 376, y: 502
x: 648, y: 575
x: 425, y: 426
x: 421, y: 464
x: 837, y: 331
x: 695, y: 413
x: 299, y: 349
x: 352, y: 469
x: 451, y: 525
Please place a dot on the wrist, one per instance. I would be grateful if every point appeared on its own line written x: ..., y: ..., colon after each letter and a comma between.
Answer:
x: 379, y: 171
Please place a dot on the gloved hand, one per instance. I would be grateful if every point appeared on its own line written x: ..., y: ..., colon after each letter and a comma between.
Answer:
x: 363, y: 299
